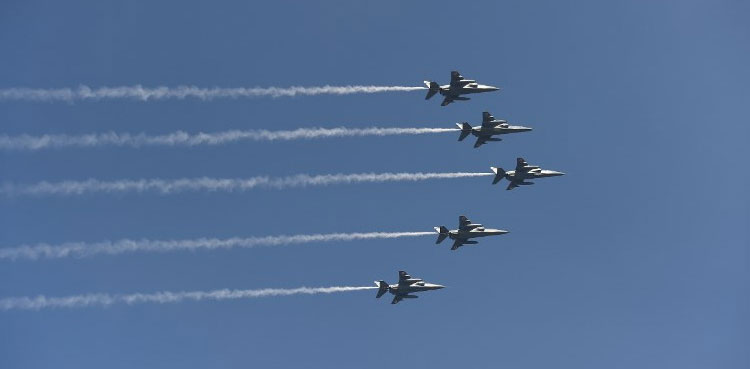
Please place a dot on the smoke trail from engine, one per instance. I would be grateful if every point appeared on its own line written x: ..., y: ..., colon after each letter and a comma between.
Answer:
x: 170, y: 186
x: 180, y: 138
x: 102, y: 299
x: 83, y: 249
x: 140, y: 93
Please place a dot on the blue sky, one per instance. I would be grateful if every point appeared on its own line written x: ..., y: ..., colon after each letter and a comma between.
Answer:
x: 638, y: 257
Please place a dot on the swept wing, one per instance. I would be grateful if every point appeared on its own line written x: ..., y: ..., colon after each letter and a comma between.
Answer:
x: 464, y: 224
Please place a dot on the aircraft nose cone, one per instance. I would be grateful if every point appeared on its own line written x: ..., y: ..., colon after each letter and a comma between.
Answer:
x: 438, y: 286
x: 493, y: 88
x: 556, y: 173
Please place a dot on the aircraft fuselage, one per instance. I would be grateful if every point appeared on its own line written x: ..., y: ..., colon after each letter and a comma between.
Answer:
x: 471, y: 88
x: 464, y: 235
x: 531, y: 174
x: 402, y: 291
x: 497, y: 130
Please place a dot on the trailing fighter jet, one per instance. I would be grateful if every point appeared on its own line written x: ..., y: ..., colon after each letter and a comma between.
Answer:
x: 466, y: 230
x: 523, y: 172
x: 406, y: 285
x: 458, y: 86
x: 490, y: 127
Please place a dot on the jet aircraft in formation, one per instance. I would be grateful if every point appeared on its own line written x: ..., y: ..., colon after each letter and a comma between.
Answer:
x: 406, y: 285
x: 458, y: 86
x: 466, y: 230
x: 490, y: 127
x: 522, y: 174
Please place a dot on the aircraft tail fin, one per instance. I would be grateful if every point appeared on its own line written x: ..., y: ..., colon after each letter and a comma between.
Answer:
x: 433, y: 89
x: 499, y: 174
x: 465, y: 130
x: 442, y: 233
x: 382, y: 288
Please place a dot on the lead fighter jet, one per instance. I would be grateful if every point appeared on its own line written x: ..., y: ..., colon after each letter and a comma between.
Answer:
x: 406, y: 285
x: 458, y: 86
x: 523, y: 172
x: 466, y: 230
x: 490, y: 127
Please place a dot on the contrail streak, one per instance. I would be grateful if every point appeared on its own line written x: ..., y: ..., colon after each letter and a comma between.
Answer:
x: 180, y: 138
x: 141, y: 93
x: 169, y: 186
x: 102, y: 299
x: 83, y: 249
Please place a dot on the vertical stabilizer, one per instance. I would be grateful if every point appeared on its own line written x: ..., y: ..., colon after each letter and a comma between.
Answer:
x: 465, y: 130
x: 442, y: 233
x: 433, y: 89
x: 382, y: 288
x: 499, y: 174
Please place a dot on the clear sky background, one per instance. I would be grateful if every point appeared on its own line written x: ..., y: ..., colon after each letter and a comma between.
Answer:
x: 637, y: 258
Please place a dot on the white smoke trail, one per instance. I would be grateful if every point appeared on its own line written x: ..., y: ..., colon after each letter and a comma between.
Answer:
x: 180, y: 138
x: 101, y: 299
x: 141, y: 93
x: 170, y: 186
x: 82, y: 249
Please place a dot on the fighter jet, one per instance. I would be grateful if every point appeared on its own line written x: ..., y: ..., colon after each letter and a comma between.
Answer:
x: 466, y: 230
x: 490, y: 127
x: 458, y: 86
x: 406, y: 285
x: 523, y: 172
